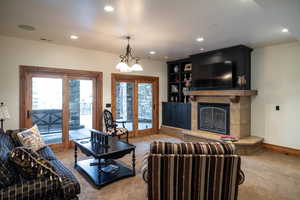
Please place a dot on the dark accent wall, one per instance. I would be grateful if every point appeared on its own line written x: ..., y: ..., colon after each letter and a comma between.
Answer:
x: 240, y: 55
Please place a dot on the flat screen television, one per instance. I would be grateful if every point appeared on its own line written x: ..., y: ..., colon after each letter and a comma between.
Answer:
x: 213, y: 76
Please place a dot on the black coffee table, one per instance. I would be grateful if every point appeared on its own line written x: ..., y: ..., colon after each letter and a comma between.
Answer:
x: 95, y: 170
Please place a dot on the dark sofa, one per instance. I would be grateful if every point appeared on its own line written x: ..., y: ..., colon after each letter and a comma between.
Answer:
x: 38, y: 189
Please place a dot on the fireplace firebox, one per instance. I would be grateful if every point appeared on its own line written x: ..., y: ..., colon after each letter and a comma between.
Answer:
x: 214, y: 117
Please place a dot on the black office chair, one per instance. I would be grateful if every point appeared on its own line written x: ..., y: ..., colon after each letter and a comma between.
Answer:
x: 111, y: 126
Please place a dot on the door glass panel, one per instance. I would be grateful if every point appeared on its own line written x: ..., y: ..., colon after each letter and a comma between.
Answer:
x: 124, y: 104
x: 144, y: 106
x: 80, y: 108
x: 47, y: 108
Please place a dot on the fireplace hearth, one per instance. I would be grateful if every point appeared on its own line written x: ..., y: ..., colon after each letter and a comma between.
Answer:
x: 214, y: 117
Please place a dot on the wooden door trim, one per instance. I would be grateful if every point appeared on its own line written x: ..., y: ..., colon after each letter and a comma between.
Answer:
x: 25, y: 73
x: 65, y: 114
x: 60, y: 71
x: 133, y: 77
x: 138, y: 79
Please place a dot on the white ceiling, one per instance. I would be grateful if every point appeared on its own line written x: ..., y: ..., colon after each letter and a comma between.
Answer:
x: 169, y: 27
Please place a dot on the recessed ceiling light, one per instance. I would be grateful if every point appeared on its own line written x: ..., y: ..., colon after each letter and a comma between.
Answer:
x: 152, y: 52
x: 26, y: 27
x: 109, y: 8
x: 74, y: 37
x: 202, y: 49
x: 285, y: 30
x: 200, y: 39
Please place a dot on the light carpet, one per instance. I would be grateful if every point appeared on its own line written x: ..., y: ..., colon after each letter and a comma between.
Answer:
x: 269, y: 175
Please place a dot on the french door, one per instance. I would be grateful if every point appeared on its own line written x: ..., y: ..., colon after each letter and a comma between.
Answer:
x: 135, y: 100
x: 64, y: 104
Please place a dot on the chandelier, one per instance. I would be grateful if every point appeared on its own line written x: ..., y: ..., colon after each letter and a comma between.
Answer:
x: 126, y: 59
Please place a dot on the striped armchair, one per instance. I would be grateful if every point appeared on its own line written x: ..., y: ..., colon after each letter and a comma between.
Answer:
x: 188, y: 171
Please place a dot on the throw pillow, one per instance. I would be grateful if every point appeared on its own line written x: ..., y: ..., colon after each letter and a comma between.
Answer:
x: 14, y: 136
x: 31, y: 138
x: 31, y: 165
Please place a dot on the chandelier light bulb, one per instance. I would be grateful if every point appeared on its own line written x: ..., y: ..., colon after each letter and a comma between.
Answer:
x: 109, y: 8
x: 121, y: 65
x: 137, y: 67
x: 125, y: 68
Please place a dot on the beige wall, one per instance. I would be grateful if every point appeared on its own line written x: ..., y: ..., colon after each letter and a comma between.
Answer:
x: 276, y: 76
x: 15, y: 52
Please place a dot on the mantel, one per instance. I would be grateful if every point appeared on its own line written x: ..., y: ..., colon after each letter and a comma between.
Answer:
x: 234, y: 95
x: 222, y: 93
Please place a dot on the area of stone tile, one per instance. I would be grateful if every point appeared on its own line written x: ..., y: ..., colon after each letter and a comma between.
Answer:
x: 269, y: 175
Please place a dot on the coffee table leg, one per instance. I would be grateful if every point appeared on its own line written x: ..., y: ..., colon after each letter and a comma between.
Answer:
x: 133, y: 162
x: 75, y: 155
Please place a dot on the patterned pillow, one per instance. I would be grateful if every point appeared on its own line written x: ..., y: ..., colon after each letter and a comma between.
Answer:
x: 31, y: 138
x: 31, y: 165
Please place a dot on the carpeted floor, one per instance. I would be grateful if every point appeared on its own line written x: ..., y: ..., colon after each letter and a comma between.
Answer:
x: 269, y: 176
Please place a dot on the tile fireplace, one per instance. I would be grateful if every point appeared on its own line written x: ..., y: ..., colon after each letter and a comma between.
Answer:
x: 223, y: 111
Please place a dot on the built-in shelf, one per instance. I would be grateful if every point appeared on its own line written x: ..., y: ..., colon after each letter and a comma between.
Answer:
x: 177, y: 78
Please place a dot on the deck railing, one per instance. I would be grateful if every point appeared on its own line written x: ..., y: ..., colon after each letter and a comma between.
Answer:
x: 48, y: 120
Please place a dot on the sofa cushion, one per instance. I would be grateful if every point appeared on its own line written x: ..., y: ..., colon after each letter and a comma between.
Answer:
x: 7, y: 175
x: 31, y: 165
x: 47, y: 153
x: 213, y: 148
x: 31, y: 138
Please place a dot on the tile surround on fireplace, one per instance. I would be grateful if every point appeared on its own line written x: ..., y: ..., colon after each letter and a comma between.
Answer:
x: 240, y: 119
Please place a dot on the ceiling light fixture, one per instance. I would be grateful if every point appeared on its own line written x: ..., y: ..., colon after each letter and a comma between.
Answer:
x: 285, y: 30
x: 152, y: 52
x: 74, y: 37
x: 123, y: 66
x: 200, y: 39
x: 109, y: 8
x: 202, y: 49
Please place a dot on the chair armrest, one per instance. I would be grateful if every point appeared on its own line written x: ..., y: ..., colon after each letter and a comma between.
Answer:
x: 241, y: 177
x: 145, y: 167
x: 69, y: 188
x: 122, y: 122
